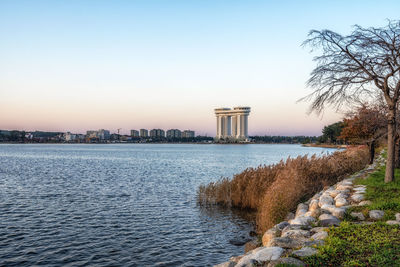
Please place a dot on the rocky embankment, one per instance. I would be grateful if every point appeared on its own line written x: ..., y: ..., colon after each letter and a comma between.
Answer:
x: 301, y: 233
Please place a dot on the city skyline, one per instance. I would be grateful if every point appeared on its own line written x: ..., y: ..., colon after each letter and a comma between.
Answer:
x: 72, y: 66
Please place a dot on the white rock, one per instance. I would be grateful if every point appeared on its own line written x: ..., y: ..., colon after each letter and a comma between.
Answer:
x: 305, y: 252
x: 301, y: 209
x: 360, y: 189
x: 319, y: 235
x: 376, y: 214
x: 341, y: 195
x: 326, y: 217
x: 313, y: 205
x: 393, y: 222
x: 365, y: 203
x: 280, y: 226
x: 334, y: 193
x: 226, y: 264
x: 340, y: 202
x: 327, y: 208
x: 338, y: 212
x: 296, y: 234
x: 318, y: 229
x: 261, y: 255
x: 344, y: 187
x: 346, y: 183
x: 303, y: 220
x: 325, y: 200
x: 314, y: 213
x: 397, y: 216
x: 358, y: 215
x: 268, y: 254
x: 268, y: 235
x: 357, y: 197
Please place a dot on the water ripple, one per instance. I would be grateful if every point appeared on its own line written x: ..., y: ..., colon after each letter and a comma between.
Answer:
x: 120, y: 205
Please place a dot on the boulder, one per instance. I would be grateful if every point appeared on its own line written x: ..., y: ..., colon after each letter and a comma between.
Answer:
x: 376, y: 214
x: 393, y: 222
x: 344, y: 187
x: 358, y: 215
x: 340, y: 202
x: 295, y: 227
x: 328, y: 208
x: 260, y: 255
x: 314, y: 243
x: 357, y: 197
x: 318, y: 229
x: 303, y: 220
x: 280, y: 226
x: 313, y: 205
x: 360, y: 190
x: 226, y: 264
x: 236, y: 259
x: 338, y: 212
x: 342, y: 195
x: 330, y: 222
x: 268, y: 254
x: 268, y: 235
x: 326, y: 217
x: 301, y: 210
x: 334, y: 193
x: 296, y: 234
x: 365, y: 203
x: 325, y: 200
x: 397, y: 215
x: 314, y: 213
x: 288, y: 261
x: 305, y: 252
x: 251, y: 245
x: 320, y: 235
x: 287, y: 242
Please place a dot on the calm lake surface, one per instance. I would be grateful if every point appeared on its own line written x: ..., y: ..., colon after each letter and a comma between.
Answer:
x: 121, y: 204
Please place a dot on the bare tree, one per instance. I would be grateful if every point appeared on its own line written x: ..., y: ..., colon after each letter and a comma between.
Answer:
x: 360, y: 65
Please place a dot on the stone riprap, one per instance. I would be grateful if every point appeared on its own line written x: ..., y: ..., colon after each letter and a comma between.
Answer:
x: 306, y: 228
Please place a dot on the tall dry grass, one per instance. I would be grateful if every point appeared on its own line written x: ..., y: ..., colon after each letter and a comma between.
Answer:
x: 275, y: 190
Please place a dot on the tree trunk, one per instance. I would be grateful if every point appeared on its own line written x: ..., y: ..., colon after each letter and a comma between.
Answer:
x: 371, y: 146
x: 397, y: 155
x: 389, y: 175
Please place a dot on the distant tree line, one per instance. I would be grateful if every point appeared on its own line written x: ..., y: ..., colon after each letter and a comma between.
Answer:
x: 284, y: 139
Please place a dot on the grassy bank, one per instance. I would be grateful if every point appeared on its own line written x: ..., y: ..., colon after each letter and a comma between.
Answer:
x: 277, y: 189
x: 376, y: 244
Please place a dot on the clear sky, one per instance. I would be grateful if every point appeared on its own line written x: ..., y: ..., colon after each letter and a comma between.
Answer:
x: 79, y: 65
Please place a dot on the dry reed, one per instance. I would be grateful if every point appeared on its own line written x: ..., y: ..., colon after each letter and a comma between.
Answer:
x: 275, y: 190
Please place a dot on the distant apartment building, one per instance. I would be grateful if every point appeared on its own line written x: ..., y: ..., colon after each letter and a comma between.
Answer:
x: 174, y: 133
x: 144, y: 133
x: 103, y: 134
x: 157, y: 133
x: 100, y: 134
x: 134, y: 133
x: 188, y: 134
x: 69, y: 137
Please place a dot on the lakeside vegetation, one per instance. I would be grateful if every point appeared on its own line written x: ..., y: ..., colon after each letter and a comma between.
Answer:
x: 275, y: 190
x: 376, y: 244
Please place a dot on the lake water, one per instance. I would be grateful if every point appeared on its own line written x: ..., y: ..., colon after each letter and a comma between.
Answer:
x: 121, y: 204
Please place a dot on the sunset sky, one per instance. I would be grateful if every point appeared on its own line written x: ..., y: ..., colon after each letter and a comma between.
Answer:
x: 80, y: 65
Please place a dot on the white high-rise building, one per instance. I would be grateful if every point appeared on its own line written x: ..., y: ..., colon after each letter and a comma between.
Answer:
x: 232, y: 123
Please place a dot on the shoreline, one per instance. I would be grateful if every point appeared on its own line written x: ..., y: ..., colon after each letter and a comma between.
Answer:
x: 305, y: 229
